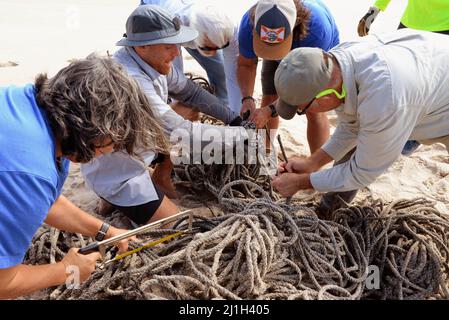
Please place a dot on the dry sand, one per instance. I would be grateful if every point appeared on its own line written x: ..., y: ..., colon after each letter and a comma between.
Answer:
x: 41, y: 36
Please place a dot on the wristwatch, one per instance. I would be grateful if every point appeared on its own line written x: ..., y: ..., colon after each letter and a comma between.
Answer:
x: 274, y: 113
x: 102, y: 232
x: 248, y: 97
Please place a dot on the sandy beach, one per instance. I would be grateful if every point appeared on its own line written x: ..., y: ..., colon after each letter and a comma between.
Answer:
x: 43, y: 36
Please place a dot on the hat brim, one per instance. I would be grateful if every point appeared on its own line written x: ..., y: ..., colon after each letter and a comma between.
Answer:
x: 285, y: 111
x: 271, y: 51
x: 186, y: 34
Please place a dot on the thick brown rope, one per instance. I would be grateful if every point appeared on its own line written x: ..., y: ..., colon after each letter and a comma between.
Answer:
x: 271, y: 251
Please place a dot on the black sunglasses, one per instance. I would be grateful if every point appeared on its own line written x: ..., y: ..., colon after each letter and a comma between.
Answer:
x: 303, y: 111
x: 214, y: 49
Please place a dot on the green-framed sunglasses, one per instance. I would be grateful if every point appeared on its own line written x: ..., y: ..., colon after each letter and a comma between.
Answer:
x: 322, y: 94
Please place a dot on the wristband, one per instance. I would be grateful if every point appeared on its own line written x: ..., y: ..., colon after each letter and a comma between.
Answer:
x: 102, y: 232
x: 248, y: 97
x: 274, y: 113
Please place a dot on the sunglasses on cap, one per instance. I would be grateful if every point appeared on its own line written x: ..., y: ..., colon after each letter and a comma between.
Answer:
x: 322, y: 94
x: 206, y: 48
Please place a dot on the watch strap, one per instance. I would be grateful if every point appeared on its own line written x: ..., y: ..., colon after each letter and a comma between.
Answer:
x: 274, y: 112
x: 248, y: 98
x: 102, y: 232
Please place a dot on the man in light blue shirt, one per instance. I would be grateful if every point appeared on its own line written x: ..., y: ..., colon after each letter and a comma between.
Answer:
x: 385, y: 90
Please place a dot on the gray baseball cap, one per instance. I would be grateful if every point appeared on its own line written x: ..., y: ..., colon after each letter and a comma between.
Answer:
x: 301, y: 75
x: 151, y: 24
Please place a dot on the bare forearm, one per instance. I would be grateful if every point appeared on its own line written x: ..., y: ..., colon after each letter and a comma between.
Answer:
x: 246, y: 77
x: 317, y: 130
x: 319, y: 159
x: 64, y: 215
x: 267, y: 99
x: 23, y: 279
x: 303, y: 181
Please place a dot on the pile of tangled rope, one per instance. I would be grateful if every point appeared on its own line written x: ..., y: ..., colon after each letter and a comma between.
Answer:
x: 238, y: 180
x: 210, y: 179
x: 263, y: 249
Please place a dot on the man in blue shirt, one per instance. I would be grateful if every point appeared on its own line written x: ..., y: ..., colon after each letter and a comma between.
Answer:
x: 88, y: 109
x: 270, y: 30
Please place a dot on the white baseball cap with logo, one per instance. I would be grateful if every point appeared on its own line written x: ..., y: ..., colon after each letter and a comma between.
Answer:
x: 273, y: 28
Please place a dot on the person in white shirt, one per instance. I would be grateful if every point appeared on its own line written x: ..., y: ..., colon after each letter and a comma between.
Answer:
x: 385, y: 90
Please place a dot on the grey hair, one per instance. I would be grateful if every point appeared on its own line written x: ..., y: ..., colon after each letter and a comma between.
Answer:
x: 93, y: 100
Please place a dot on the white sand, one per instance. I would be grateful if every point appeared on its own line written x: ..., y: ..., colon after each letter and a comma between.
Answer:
x: 41, y: 36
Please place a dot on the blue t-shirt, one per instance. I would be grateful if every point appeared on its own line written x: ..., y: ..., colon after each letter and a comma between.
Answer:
x: 323, y: 32
x: 30, y: 180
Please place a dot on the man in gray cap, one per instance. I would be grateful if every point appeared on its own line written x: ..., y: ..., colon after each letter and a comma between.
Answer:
x: 385, y: 90
x: 150, y: 45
